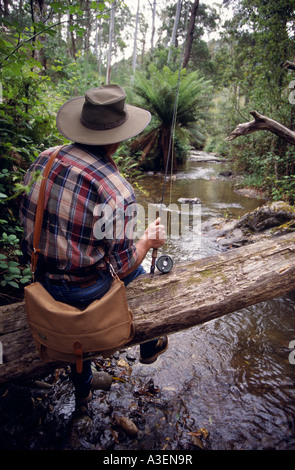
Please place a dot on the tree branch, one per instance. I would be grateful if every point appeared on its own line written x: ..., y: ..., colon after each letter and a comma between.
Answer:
x: 262, y: 123
x: 289, y: 65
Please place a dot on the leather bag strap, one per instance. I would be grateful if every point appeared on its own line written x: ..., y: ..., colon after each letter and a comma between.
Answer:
x: 40, y: 211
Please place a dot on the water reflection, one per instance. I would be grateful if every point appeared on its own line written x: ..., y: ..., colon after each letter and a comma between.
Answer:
x: 231, y: 375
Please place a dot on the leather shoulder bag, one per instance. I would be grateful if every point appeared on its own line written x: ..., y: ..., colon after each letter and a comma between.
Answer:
x: 65, y: 333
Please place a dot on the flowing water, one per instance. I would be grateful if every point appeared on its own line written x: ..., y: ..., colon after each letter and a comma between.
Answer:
x: 233, y: 375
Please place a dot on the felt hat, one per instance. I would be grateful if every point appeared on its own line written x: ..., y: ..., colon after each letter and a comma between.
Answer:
x: 101, y: 117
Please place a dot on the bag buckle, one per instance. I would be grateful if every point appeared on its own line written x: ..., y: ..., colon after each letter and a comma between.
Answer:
x: 78, y: 352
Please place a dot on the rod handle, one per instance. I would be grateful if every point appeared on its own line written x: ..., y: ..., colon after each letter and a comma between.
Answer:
x: 154, y: 257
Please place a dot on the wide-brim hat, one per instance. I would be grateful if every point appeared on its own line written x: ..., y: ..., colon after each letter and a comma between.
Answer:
x: 101, y: 117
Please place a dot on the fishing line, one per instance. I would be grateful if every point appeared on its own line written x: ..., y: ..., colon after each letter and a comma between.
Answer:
x: 165, y: 263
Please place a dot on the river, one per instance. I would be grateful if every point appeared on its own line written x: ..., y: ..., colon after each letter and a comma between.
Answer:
x: 225, y: 385
x: 232, y: 375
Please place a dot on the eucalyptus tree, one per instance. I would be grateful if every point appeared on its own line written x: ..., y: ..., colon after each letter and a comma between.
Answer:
x: 190, y: 33
x: 183, y: 26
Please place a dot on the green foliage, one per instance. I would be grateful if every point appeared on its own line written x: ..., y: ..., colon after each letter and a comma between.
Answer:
x: 284, y: 189
x: 127, y: 163
x: 13, y: 274
x: 27, y: 126
x: 271, y: 171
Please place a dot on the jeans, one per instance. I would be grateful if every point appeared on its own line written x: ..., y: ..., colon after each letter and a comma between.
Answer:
x: 81, y: 297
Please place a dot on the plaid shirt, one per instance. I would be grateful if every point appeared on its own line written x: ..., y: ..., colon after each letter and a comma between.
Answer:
x: 80, y: 186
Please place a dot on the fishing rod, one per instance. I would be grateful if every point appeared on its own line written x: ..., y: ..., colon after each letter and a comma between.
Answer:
x: 165, y: 263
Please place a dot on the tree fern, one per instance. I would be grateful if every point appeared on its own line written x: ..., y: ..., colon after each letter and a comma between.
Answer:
x: 157, y: 93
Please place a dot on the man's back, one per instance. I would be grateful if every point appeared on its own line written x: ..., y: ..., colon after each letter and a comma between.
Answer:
x: 79, y: 182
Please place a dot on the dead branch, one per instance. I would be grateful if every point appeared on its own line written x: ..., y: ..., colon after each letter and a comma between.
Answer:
x: 262, y: 123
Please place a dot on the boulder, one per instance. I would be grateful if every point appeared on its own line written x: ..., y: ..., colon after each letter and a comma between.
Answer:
x: 276, y: 218
x: 267, y: 216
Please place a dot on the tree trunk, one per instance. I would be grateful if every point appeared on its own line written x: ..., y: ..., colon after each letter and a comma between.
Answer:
x: 173, y: 39
x: 73, y: 48
x: 111, y: 38
x: 262, y: 123
x: 190, y: 34
x: 135, y: 40
x: 87, y: 13
x: 154, y: 10
x: 189, y: 295
x: 4, y: 9
x: 98, y: 44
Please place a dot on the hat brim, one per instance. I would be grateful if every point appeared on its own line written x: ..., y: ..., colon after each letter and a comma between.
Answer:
x: 69, y: 125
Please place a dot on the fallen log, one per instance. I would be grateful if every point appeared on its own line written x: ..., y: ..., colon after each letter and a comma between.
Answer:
x: 189, y: 295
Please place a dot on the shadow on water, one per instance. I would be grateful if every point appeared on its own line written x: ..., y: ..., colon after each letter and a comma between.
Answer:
x: 226, y: 384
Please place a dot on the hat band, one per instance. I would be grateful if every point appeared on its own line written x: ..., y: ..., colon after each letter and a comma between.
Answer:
x: 104, y: 127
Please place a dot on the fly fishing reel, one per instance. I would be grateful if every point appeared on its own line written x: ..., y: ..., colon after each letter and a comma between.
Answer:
x: 164, y: 263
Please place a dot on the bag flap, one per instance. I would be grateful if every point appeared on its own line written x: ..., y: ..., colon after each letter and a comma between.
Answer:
x: 105, y: 322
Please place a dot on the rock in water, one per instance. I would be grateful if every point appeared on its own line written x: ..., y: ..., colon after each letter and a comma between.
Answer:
x: 225, y: 173
x: 189, y: 200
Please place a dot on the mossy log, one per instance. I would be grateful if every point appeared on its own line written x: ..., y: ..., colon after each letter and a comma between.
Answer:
x: 189, y: 295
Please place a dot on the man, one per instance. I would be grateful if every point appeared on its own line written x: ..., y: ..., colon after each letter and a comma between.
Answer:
x: 83, y: 182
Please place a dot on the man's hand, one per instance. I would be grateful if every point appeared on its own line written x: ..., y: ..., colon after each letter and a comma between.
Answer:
x: 153, y: 237
x: 155, y: 234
